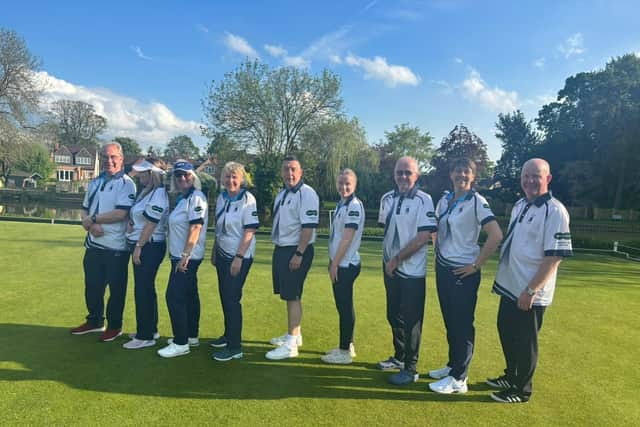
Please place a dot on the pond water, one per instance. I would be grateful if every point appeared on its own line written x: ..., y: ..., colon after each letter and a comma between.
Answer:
x: 39, y: 210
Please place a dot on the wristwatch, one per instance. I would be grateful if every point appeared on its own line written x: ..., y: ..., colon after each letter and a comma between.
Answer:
x: 298, y: 253
x: 531, y: 292
x: 239, y: 256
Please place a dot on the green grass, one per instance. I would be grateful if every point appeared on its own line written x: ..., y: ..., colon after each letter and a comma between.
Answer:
x: 587, y: 373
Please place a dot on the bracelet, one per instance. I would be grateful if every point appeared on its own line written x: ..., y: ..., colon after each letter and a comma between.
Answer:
x: 239, y: 256
x: 139, y: 245
x: 185, y: 255
x: 475, y: 266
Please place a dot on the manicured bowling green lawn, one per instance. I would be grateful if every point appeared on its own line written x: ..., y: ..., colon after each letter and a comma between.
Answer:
x: 588, y: 372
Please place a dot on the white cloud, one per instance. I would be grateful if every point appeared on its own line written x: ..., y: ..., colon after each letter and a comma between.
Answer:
x: 332, y: 43
x: 378, y: 69
x: 540, y: 63
x: 496, y: 99
x: 458, y: 60
x: 202, y: 28
x: 369, y: 6
x: 572, y: 46
x: 296, y: 61
x: 240, y: 45
x: 335, y: 59
x: 140, y: 53
x: 148, y: 123
x: 275, y: 51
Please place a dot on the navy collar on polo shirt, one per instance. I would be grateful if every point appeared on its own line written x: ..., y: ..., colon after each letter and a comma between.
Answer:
x: 186, y: 195
x: 408, y: 194
x: 295, y: 188
x: 348, y: 199
x: 541, y: 200
x: 225, y: 195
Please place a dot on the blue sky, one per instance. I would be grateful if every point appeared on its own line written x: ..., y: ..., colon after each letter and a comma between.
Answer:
x: 433, y: 64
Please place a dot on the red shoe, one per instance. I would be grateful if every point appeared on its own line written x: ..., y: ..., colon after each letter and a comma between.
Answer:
x: 110, y: 335
x: 86, y: 328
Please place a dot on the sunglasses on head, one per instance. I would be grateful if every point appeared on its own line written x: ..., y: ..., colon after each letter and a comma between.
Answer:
x: 404, y: 173
x: 180, y: 174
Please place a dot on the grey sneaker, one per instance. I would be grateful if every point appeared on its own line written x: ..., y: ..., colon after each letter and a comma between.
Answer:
x: 227, y: 354
x: 436, y: 374
x: 403, y: 377
x: 352, y: 350
x: 156, y: 335
x: 219, y: 342
x: 338, y: 357
x: 390, y: 363
x: 193, y: 342
x: 282, y: 339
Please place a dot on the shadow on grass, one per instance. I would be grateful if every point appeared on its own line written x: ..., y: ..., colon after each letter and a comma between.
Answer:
x: 42, y: 353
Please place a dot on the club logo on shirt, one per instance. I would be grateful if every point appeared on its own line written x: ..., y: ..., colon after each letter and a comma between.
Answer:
x: 198, y: 209
x: 431, y: 214
x: 131, y: 196
x: 354, y: 213
x: 254, y: 213
x: 157, y: 209
x: 311, y: 212
x: 562, y: 236
x: 485, y: 205
x: 530, y: 219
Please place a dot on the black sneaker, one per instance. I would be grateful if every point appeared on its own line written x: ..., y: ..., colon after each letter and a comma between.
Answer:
x: 510, y: 395
x: 501, y: 382
x: 218, y: 342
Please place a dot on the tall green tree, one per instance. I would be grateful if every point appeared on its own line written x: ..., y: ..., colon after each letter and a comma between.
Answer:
x: 78, y: 123
x: 181, y: 147
x: 519, y: 141
x: 129, y: 146
x: 225, y: 149
x: 35, y: 158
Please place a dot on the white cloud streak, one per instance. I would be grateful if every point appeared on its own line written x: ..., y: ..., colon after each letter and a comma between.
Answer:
x: 240, y: 45
x: 540, y: 63
x: 150, y: 123
x: 275, y: 51
x: 378, y: 69
x: 475, y: 88
x: 202, y: 28
x: 572, y: 46
x: 140, y: 53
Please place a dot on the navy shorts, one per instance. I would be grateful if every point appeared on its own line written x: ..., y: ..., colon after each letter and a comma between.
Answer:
x: 287, y: 283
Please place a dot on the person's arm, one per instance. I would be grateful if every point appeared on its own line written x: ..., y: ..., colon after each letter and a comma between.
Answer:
x: 545, y: 271
x: 145, y: 235
x: 305, y: 237
x: 421, y: 239
x: 343, y: 246
x: 247, y: 237
x: 192, y: 239
x: 494, y: 237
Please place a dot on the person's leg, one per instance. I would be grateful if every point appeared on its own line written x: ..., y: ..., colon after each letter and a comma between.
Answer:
x: 295, y: 288
x: 464, y: 295
x: 529, y: 323
x: 95, y: 282
x: 117, y: 277
x: 507, y: 331
x: 394, y: 315
x: 145, y: 289
x: 445, y: 279
x: 412, y: 300
x: 193, y: 299
x: 177, y: 304
x: 343, y: 295
x: 233, y: 296
x: 222, y: 271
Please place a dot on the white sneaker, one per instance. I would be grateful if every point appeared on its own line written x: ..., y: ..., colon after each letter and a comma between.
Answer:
x: 174, y: 350
x: 436, y: 374
x: 136, y: 343
x: 283, y: 352
x: 156, y: 335
x: 282, y: 339
x: 449, y: 385
x: 352, y: 350
x: 192, y: 342
x: 339, y: 357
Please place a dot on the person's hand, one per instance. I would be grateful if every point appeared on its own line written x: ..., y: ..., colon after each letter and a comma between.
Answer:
x: 235, y: 266
x: 295, y: 262
x: 87, y: 223
x: 96, y: 230
x: 333, y: 272
x: 136, y: 255
x: 391, y: 266
x: 129, y: 227
x: 183, y: 264
x: 465, y: 271
x: 525, y: 301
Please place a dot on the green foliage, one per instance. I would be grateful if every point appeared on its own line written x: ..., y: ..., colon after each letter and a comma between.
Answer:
x: 181, y: 147
x: 265, y: 172
x: 77, y: 122
x: 35, y: 158
x: 129, y: 146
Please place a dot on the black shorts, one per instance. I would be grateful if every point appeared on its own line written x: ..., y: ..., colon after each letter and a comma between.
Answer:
x: 289, y: 284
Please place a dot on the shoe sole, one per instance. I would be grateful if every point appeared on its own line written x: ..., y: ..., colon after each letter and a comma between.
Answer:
x: 389, y: 368
x: 289, y: 356
x: 88, y: 331
x: 226, y: 359
x: 461, y: 391
x: 174, y: 355
x: 218, y: 345
x: 336, y: 363
x: 500, y: 400
x: 110, y: 339
x: 136, y: 348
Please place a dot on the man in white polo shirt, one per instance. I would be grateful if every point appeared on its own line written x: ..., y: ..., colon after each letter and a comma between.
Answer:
x: 408, y: 217
x: 106, y: 206
x: 295, y: 219
x: 537, y: 240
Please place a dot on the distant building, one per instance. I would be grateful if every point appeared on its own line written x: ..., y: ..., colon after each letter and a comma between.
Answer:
x: 76, y: 165
x: 22, y: 179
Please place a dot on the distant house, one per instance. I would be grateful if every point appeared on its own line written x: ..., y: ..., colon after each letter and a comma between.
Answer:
x: 209, y: 166
x: 75, y: 166
x: 23, y: 179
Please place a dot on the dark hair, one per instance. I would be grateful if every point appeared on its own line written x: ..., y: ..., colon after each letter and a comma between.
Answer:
x: 290, y: 158
x: 462, y: 162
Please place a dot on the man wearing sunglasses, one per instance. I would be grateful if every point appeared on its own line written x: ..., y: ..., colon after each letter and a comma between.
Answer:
x: 408, y: 217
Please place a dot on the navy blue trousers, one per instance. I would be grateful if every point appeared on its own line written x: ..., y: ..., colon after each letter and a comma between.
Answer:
x: 183, y: 301
x: 230, y: 290
x: 146, y: 298
x: 104, y: 267
x: 458, y: 299
x: 343, y: 296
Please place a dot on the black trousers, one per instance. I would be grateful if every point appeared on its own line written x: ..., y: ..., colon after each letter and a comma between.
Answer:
x: 343, y: 296
x: 518, y: 332
x: 289, y: 284
x: 458, y: 297
x: 230, y: 290
x: 183, y: 301
x: 405, y: 313
x: 104, y: 267
x: 146, y: 298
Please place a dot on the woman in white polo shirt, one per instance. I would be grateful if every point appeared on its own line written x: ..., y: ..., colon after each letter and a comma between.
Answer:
x: 187, y: 233
x: 344, y: 264
x: 147, y: 236
x: 461, y: 215
x: 232, y: 255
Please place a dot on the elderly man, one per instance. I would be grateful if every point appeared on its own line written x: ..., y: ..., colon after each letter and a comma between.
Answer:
x: 408, y: 217
x: 106, y: 206
x: 536, y: 241
x: 295, y: 219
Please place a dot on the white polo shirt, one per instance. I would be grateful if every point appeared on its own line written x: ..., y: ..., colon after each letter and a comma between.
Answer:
x: 233, y: 216
x: 151, y: 207
x: 293, y: 210
x: 105, y: 194
x: 403, y: 216
x: 349, y: 214
x: 190, y: 209
x: 459, y: 225
x: 536, y: 229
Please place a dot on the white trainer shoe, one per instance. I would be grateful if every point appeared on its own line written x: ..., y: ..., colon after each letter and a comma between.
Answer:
x: 283, y: 352
x: 156, y: 335
x: 338, y: 357
x: 282, y: 339
x: 449, y: 385
x: 192, y: 342
x: 174, y: 350
x: 136, y: 343
x: 352, y: 350
x: 437, y: 374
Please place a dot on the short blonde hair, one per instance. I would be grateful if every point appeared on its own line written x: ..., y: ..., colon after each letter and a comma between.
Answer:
x: 235, y: 167
x: 348, y: 172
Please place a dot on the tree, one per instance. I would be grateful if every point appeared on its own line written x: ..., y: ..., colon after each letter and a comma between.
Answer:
x: 225, y: 149
x: 460, y: 142
x: 519, y: 141
x: 78, y: 123
x: 35, y: 158
x: 181, y: 147
x: 266, y: 110
x: 20, y: 90
x: 129, y: 146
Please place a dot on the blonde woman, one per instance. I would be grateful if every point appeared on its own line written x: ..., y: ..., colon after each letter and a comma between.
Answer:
x: 147, y: 236
x: 232, y: 255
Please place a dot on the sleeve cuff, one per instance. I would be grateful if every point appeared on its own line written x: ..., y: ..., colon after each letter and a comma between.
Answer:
x: 196, y: 221
x: 253, y: 226
x: 123, y: 207
x: 559, y: 252
x: 431, y: 228
x: 150, y: 218
x: 310, y: 225
x: 381, y: 224
x: 354, y: 226
x: 488, y: 220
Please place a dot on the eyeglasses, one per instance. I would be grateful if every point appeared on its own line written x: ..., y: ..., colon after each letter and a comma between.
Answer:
x: 404, y: 173
x: 179, y: 174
